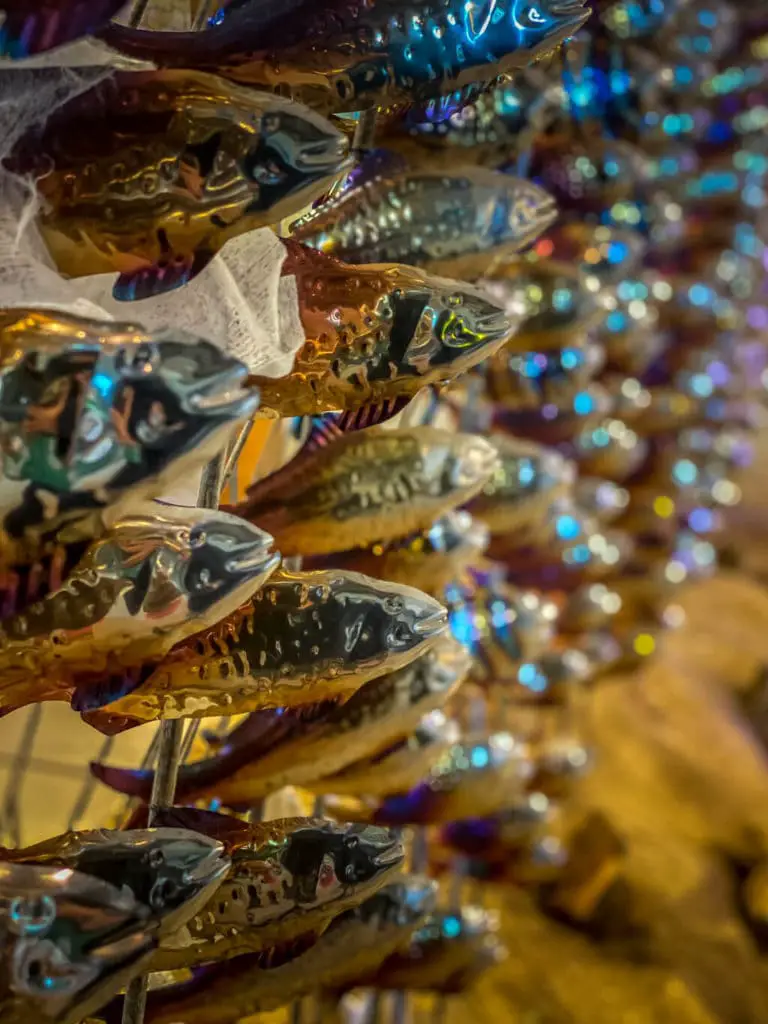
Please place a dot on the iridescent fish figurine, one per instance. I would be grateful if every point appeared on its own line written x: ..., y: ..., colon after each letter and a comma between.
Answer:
x: 98, y: 416
x: 353, y: 945
x: 37, y: 26
x: 479, y: 776
x: 172, y: 872
x: 272, y: 749
x: 302, y: 639
x: 69, y: 943
x: 430, y: 560
x: 155, y: 578
x: 398, y: 767
x: 149, y: 173
x: 378, y: 334
x: 448, y: 954
x: 289, y: 878
x: 449, y: 221
x: 528, y: 481
x: 367, y: 487
x: 340, y: 57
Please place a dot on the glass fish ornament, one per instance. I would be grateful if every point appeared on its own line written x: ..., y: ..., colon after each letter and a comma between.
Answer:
x: 367, y: 487
x: 148, y: 174
x: 37, y: 26
x: 342, y: 57
x: 377, y: 335
x: 155, y: 578
x: 97, y: 415
x: 288, y: 878
x: 354, y: 944
x: 449, y: 221
x: 70, y: 942
x: 272, y: 749
x: 302, y: 639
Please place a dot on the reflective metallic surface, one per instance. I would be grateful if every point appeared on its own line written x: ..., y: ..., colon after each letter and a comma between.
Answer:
x: 152, y: 580
x: 454, y: 222
x: 70, y: 942
x: 303, y: 638
x: 272, y: 749
x: 354, y: 944
x: 148, y: 174
x: 342, y: 57
x: 367, y: 487
x: 379, y: 333
x: 172, y: 872
x: 36, y: 26
x: 289, y: 877
x: 96, y: 414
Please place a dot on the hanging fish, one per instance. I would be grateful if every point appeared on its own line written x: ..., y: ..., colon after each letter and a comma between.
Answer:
x: 173, y: 872
x: 527, y: 483
x: 155, y: 578
x: 430, y: 560
x: 30, y: 27
x: 354, y: 944
x: 495, y: 838
x: 304, y: 638
x: 449, y: 221
x: 398, y: 767
x: 378, y: 334
x: 448, y: 954
x: 477, y: 777
x: 69, y: 943
x: 272, y: 749
x: 340, y: 57
x: 149, y: 173
x: 368, y: 487
x: 100, y: 414
x: 289, y: 878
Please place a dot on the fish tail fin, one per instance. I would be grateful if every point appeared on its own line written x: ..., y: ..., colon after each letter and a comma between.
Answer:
x: 164, y: 276
x: 128, y: 781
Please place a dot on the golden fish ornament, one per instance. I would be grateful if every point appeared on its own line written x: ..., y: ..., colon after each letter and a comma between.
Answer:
x: 455, y: 222
x: 378, y: 334
x: 155, y: 578
x: 343, y: 56
x: 367, y: 487
x: 96, y: 416
x: 272, y: 749
x: 302, y: 639
x: 149, y: 173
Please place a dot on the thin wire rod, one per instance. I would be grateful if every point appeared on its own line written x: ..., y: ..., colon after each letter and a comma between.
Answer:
x: 19, y: 768
x: 137, y: 13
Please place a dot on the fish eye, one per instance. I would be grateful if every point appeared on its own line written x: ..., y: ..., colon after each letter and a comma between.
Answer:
x: 156, y: 858
x: 352, y: 842
x: 163, y: 891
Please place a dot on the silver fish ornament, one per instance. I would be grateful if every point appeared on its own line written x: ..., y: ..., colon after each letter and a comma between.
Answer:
x: 455, y: 222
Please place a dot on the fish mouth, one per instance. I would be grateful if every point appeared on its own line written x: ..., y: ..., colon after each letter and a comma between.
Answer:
x: 432, y: 624
x: 391, y: 856
x: 260, y: 559
x: 326, y: 158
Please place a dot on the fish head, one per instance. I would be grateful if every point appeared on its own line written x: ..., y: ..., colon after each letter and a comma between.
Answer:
x: 70, y: 940
x: 456, y: 464
x: 293, y: 155
x: 440, y: 671
x: 522, y: 212
x: 326, y: 861
x: 456, y: 533
x: 401, y: 905
x: 172, y: 871
x: 446, y: 328
x: 539, y: 19
x: 524, y: 471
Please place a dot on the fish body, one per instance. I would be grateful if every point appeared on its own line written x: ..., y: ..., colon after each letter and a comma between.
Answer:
x: 453, y: 222
x: 528, y: 481
x: 155, y: 578
x: 149, y: 173
x: 288, y: 878
x: 97, y: 415
x: 302, y: 639
x: 354, y: 944
x: 397, y: 768
x: 430, y: 560
x: 447, y: 954
x: 378, y: 333
x: 367, y: 487
x: 273, y: 749
x: 340, y: 57
x: 69, y: 943
x: 172, y: 872
x: 37, y: 26
x: 477, y: 777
